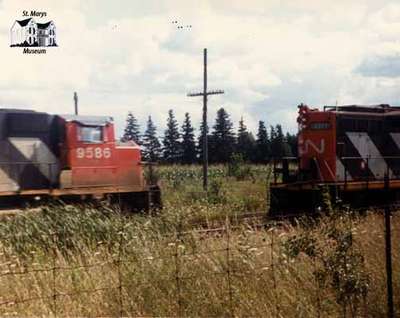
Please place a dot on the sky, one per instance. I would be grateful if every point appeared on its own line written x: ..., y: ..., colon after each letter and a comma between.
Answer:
x: 268, y: 56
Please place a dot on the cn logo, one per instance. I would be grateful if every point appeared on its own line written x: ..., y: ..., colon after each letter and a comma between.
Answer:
x: 307, y: 145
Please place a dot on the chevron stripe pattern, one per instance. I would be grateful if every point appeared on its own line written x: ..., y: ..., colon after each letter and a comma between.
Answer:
x: 368, y: 156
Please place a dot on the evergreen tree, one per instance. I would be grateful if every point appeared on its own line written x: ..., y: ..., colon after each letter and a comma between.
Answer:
x: 291, y: 140
x: 200, y: 142
x: 172, y: 146
x: 277, y: 142
x: 132, y: 130
x: 242, y: 133
x: 263, y: 143
x: 280, y: 141
x: 151, y: 144
x: 222, y: 143
x: 188, y: 143
x: 272, y: 143
x: 245, y: 142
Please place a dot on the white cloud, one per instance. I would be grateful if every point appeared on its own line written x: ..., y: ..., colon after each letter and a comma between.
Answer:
x: 268, y: 56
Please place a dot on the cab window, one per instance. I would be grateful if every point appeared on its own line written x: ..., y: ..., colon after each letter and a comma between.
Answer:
x: 90, y: 134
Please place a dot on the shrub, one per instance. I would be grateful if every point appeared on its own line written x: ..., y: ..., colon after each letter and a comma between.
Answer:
x: 216, y: 192
x: 238, y: 168
x: 339, y: 264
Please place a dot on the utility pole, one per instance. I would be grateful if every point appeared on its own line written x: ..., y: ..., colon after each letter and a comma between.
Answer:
x: 76, y: 102
x: 205, y: 93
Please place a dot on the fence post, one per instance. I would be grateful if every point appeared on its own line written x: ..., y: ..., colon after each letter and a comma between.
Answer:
x: 228, y: 265
x: 388, y: 251
x: 367, y: 173
x: 318, y: 288
x: 120, y: 251
x: 177, y: 269
x: 273, y: 272
x: 54, y: 273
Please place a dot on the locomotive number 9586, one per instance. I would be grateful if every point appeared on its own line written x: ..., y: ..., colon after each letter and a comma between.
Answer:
x: 93, y: 153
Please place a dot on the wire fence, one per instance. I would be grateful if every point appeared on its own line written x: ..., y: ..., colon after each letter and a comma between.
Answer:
x: 232, y: 266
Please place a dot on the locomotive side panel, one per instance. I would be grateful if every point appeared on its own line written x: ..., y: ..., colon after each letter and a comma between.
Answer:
x: 8, y: 179
x: 367, y: 147
x: 392, y: 145
x: 130, y: 171
x: 28, y: 157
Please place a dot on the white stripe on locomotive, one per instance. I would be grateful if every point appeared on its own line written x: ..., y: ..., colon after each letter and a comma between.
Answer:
x: 340, y: 172
x: 368, y: 150
x: 36, y: 151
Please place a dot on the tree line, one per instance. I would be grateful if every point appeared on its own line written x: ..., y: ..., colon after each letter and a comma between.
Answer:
x: 180, y: 145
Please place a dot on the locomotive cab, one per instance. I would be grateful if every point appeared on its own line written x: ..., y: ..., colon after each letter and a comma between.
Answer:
x: 92, y: 158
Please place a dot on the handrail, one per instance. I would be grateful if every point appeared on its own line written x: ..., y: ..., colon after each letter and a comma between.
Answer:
x: 27, y: 163
x: 382, y: 157
x: 380, y: 166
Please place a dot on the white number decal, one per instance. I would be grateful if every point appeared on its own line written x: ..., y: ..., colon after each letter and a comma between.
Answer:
x: 80, y: 153
x: 90, y: 153
x: 98, y: 153
x: 107, y: 153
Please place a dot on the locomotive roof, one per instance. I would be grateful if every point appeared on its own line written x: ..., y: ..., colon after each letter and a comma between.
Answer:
x: 381, y: 108
x: 88, y: 120
x: 13, y: 110
x: 83, y: 120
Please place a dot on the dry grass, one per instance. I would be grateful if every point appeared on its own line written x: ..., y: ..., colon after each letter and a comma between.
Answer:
x: 159, y: 266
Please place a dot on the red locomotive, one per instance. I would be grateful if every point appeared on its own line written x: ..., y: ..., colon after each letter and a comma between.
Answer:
x: 69, y: 156
x: 349, y: 150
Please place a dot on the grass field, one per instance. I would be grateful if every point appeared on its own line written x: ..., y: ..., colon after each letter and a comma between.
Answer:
x: 86, y: 261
